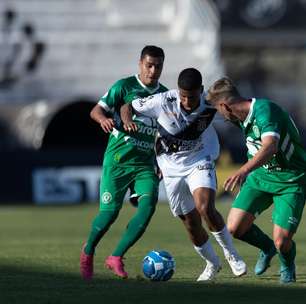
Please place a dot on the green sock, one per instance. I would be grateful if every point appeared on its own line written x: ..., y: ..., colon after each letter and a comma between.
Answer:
x: 287, y: 258
x: 137, y: 225
x: 256, y: 237
x: 100, y: 225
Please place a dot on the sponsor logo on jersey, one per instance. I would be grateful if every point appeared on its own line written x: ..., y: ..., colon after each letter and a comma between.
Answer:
x: 171, y: 99
x: 106, y: 197
x: 207, y: 166
x: 143, y: 100
x: 201, y: 125
x: 292, y: 220
x: 140, y: 144
x: 147, y: 130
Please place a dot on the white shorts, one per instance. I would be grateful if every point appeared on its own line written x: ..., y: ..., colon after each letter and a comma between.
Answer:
x: 179, y: 189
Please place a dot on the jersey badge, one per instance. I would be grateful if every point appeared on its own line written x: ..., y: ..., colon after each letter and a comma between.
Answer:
x: 256, y: 131
x: 106, y: 197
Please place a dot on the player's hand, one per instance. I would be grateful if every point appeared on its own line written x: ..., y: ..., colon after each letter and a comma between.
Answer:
x: 159, y: 173
x: 107, y: 124
x: 130, y: 126
x: 235, y: 181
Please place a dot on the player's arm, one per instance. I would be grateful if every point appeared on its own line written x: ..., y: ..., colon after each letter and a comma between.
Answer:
x: 126, y: 114
x: 264, y: 154
x: 148, y: 106
x: 98, y: 114
x: 103, y: 113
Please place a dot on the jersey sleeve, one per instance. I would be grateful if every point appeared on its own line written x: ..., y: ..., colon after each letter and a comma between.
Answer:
x: 149, y: 106
x: 111, y: 99
x: 269, y: 121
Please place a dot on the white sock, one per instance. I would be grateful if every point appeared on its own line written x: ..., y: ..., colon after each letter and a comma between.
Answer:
x: 206, y: 251
x: 225, y: 240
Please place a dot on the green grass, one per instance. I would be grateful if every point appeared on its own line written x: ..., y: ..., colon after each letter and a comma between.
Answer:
x: 39, y: 262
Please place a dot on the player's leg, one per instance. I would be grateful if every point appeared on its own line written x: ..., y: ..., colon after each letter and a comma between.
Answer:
x: 286, y: 253
x: 112, y: 190
x: 202, y: 184
x: 248, y: 203
x: 201, y: 243
x: 182, y: 206
x: 287, y: 213
x: 146, y: 187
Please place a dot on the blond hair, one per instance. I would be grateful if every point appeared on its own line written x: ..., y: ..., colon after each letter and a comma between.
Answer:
x: 223, y: 88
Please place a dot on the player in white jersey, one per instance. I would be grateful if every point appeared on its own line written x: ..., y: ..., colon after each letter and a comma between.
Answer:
x: 186, y: 148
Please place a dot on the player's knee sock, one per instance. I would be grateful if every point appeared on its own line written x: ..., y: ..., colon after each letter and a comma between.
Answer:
x: 100, y: 225
x: 287, y: 259
x: 137, y: 225
x: 224, y: 239
x: 256, y: 237
x: 206, y: 251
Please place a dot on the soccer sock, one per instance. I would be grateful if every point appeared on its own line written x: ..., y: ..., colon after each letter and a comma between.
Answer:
x: 225, y: 240
x: 206, y: 251
x: 287, y: 259
x: 137, y: 225
x: 100, y: 225
x: 256, y: 237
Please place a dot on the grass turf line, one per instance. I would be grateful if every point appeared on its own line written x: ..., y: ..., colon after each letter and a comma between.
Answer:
x: 39, y: 261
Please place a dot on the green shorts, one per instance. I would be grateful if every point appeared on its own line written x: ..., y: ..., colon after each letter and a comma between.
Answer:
x: 115, y: 182
x: 254, y: 197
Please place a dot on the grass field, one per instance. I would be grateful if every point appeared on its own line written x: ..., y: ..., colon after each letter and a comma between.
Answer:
x: 39, y: 262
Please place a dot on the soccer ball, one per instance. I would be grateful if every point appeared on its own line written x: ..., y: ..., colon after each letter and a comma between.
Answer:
x: 158, y: 265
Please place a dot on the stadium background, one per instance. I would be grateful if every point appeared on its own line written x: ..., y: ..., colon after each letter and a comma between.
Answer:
x: 59, y: 56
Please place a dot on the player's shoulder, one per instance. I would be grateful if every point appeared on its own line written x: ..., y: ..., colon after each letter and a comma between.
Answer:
x: 163, y: 88
x: 265, y: 106
x: 125, y: 82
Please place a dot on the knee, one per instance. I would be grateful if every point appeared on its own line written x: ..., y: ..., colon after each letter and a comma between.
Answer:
x: 207, y: 211
x: 282, y: 244
x: 234, y: 231
x: 147, y: 203
x: 236, y: 228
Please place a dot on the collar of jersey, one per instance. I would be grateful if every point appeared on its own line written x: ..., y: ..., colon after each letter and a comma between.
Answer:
x: 248, y: 118
x: 151, y: 91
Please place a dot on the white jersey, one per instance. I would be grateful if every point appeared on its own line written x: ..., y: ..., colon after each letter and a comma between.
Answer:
x: 190, y: 139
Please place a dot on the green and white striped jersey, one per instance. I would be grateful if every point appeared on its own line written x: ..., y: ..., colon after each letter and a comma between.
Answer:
x: 130, y: 149
x: 267, y: 118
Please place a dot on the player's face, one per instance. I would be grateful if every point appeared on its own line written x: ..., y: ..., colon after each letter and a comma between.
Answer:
x: 190, y: 99
x: 150, y: 69
x: 225, y: 110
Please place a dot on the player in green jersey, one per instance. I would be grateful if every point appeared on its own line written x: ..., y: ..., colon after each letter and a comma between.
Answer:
x: 128, y: 163
x: 274, y: 174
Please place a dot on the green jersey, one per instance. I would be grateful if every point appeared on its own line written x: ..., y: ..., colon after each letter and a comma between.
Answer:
x: 135, y: 148
x: 266, y: 118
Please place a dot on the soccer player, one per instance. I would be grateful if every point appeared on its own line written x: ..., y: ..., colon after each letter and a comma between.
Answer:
x: 186, y: 147
x: 128, y: 163
x: 274, y: 174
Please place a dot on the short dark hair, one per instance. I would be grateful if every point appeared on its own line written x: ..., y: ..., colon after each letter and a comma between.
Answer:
x: 189, y: 79
x: 153, y: 51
